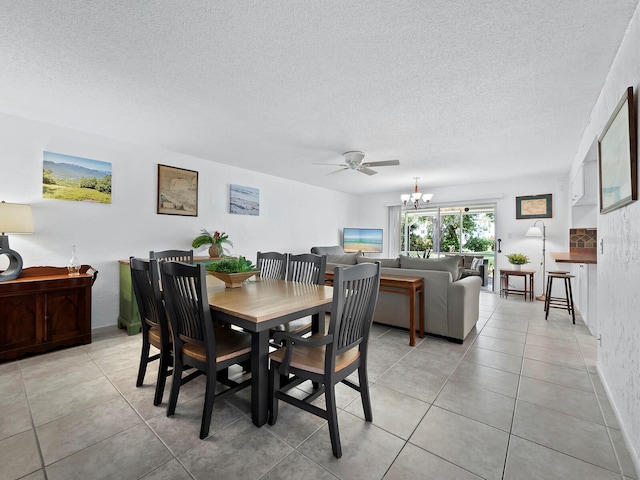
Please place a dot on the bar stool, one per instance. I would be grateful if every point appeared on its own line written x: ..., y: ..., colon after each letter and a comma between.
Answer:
x: 560, y: 302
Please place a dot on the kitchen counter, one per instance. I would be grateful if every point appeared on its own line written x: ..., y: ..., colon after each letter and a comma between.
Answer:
x: 584, y: 255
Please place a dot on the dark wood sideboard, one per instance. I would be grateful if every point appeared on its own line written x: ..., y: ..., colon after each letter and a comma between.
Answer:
x: 45, y: 308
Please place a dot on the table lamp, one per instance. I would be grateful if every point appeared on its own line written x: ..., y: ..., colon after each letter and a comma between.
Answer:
x: 14, y: 218
x: 535, y: 231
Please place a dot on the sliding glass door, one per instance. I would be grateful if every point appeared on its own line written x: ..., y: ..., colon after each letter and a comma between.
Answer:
x: 436, y: 231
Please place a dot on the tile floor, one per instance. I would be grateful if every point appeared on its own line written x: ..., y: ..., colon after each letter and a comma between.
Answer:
x: 520, y: 399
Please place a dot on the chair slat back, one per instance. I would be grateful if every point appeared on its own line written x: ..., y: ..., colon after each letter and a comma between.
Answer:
x: 355, y: 293
x: 272, y: 265
x: 185, y: 294
x: 146, y: 288
x: 185, y: 256
x: 307, y: 268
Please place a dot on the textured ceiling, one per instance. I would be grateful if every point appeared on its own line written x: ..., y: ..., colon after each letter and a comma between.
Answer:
x: 458, y: 91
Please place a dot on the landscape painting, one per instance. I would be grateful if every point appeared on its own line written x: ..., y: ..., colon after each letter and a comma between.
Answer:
x: 244, y: 200
x: 75, y: 178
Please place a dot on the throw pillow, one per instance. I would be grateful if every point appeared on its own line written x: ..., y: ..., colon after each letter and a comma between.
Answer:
x: 475, y: 264
x: 446, y: 264
x: 344, y: 259
x: 384, y: 262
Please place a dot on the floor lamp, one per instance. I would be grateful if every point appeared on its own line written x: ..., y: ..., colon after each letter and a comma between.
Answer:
x: 535, y: 231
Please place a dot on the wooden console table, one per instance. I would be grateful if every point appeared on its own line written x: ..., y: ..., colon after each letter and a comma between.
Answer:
x: 45, y: 308
x: 129, y: 316
x: 404, y: 285
x: 528, y: 283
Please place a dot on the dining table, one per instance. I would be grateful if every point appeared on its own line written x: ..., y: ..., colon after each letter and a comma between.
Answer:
x: 259, y: 305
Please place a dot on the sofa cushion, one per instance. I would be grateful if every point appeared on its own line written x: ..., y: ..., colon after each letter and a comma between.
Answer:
x: 475, y: 264
x: 445, y: 264
x: 344, y: 259
x: 384, y: 262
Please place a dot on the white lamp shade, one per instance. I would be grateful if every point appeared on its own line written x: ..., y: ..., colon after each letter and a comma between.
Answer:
x: 405, y: 198
x: 533, y: 232
x: 15, y: 218
x: 427, y: 197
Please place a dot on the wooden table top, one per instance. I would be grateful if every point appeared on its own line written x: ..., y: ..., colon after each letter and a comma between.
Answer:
x: 517, y: 272
x: 263, y: 299
x: 590, y: 256
x: 389, y: 278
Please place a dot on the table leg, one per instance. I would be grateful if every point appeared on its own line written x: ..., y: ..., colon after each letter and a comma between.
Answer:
x: 259, y: 377
x: 412, y: 316
x: 421, y: 305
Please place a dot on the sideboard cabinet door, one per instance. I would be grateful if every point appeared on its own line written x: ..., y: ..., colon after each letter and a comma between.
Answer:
x: 65, y: 314
x: 19, y: 321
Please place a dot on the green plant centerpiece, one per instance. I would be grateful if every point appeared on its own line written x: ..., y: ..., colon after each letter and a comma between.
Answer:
x: 233, y: 271
x: 517, y: 260
x: 217, y: 240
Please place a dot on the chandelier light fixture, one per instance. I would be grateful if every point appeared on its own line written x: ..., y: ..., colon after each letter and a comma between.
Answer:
x: 416, y: 196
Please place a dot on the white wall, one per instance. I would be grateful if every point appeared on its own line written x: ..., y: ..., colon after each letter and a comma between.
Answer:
x: 512, y: 232
x: 619, y: 262
x: 293, y: 217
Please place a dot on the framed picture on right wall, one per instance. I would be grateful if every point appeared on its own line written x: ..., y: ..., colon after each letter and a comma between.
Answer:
x: 617, y: 157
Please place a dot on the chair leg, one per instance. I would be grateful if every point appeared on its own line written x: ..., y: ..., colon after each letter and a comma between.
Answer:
x: 175, y: 386
x: 209, y: 397
x: 163, y: 372
x: 274, y: 386
x: 364, y: 393
x: 144, y: 359
x: 332, y: 418
x: 547, y: 300
x: 570, y: 301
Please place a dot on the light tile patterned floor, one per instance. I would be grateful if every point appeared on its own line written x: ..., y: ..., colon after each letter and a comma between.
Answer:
x: 520, y: 399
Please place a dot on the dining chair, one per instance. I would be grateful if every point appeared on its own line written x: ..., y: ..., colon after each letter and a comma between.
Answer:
x: 196, y: 342
x: 272, y: 265
x: 185, y: 256
x: 303, y: 268
x: 155, y: 326
x: 328, y: 359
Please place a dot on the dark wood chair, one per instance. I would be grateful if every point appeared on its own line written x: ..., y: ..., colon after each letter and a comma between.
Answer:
x: 329, y: 359
x: 185, y: 256
x: 196, y: 342
x: 272, y: 265
x: 155, y: 326
x: 303, y: 268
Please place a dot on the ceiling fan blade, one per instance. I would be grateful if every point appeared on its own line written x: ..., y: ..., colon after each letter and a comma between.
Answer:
x: 368, y: 171
x: 338, y: 171
x: 331, y: 164
x: 384, y: 163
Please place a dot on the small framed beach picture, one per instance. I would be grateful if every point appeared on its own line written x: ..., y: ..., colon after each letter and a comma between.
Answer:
x: 244, y: 200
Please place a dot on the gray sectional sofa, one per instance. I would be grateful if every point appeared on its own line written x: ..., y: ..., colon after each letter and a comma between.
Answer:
x: 451, y: 303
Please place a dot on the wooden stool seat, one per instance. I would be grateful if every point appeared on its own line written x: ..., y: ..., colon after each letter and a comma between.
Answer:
x: 565, y: 302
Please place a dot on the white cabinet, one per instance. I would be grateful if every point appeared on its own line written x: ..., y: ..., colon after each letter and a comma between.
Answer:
x: 585, y: 295
x: 584, y: 186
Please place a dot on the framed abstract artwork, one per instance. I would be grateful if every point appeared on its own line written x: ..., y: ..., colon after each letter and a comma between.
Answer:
x: 617, y: 157
x: 177, y: 191
x: 534, y: 206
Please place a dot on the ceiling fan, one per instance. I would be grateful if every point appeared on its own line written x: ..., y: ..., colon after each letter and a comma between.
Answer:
x: 353, y: 161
